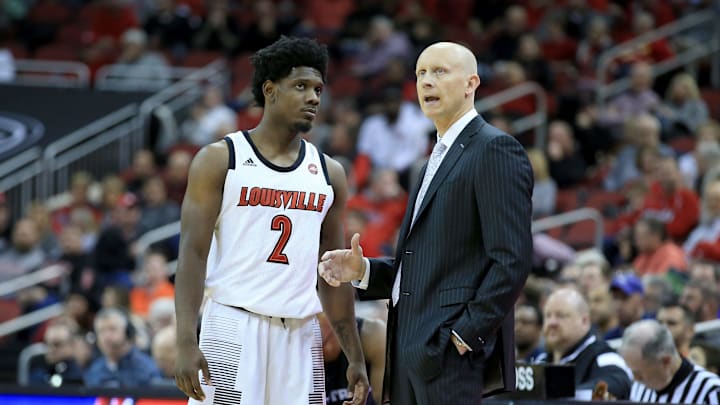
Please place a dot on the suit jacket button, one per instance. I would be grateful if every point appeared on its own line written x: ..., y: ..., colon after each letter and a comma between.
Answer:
x: 409, y: 252
x: 405, y: 293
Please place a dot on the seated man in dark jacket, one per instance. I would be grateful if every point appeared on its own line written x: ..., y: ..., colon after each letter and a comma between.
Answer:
x: 121, y: 364
x: 58, y: 366
x: 570, y: 340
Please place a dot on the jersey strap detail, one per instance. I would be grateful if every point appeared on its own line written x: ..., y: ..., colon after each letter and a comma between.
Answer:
x: 231, y: 153
x: 324, y: 167
x: 271, y: 165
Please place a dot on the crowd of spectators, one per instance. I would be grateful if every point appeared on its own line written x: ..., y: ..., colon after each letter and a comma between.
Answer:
x: 647, y: 159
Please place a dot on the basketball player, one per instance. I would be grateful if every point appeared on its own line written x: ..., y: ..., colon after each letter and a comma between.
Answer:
x: 259, y: 207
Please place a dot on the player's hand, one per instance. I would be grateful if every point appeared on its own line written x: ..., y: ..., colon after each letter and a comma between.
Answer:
x: 358, y: 385
x: 186, y: 371
x: 342, y: 265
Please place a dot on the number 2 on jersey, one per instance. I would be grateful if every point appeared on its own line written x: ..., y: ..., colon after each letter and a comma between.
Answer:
x: 284, y: 225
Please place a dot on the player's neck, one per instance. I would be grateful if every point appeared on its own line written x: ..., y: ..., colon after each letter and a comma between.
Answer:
x: 273, y: 140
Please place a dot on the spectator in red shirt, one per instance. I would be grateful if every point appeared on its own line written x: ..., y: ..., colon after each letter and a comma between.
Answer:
x: 656, y: 254
x: 671, y: 202
x: 653, y: 52
x: 383, y: 205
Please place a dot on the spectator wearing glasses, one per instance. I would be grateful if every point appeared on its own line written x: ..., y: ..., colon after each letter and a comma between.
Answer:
x: 58, y: 366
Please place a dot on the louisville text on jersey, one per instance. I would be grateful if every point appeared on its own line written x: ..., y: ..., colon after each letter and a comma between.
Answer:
x: 294, y: 200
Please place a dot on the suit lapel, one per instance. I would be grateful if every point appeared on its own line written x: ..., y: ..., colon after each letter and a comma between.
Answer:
x: 407, y: 219
x: 448, y: 163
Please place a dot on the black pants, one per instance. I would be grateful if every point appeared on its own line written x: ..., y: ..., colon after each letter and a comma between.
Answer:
x: 460, y: 380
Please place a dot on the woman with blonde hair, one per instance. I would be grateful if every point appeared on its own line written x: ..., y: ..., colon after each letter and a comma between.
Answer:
x: 683, y: 108
x: 545, y: 189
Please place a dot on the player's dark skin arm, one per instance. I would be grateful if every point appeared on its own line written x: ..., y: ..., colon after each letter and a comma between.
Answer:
x: 339, y: 303
x: 200, y: 210
x: 373, y: 338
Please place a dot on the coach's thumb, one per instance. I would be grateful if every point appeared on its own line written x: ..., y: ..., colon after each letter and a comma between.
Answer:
x: 355, y: 245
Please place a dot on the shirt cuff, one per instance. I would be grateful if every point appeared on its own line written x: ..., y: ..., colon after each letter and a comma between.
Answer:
x: 365, y: 280
x: 462, y: 342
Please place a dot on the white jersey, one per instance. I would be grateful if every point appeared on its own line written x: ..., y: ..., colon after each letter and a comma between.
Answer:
x: 264, y: 251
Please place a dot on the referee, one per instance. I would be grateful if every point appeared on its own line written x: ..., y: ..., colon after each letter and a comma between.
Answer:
x: 661, y: 374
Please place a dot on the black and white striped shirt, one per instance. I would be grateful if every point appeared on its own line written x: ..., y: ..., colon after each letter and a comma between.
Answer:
x: 691, y: 384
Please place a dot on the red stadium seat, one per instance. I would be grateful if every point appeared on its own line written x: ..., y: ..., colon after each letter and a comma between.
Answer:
x: 241, y: 71
x: 567, y: 200
x: 683, y: 144
x: 197, y: 7
x: 200, y: 59
x: 580, y: 235
x: 9, y: 309
x: 346, y: 85
x: 604, y: 201
x: 556, y: 233
x: 17, y: 50
x: 71, y: 34
x: 712, y: 99
x: 58, y: 52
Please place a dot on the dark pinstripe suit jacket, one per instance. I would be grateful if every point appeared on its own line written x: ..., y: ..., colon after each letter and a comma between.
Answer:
x: 465, y: 259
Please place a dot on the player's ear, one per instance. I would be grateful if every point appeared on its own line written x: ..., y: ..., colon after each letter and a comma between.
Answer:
x: 269, y: 91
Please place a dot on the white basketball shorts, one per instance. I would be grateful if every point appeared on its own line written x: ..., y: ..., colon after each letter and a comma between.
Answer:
x: 258, y: 360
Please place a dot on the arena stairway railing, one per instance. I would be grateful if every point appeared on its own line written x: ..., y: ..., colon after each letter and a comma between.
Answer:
x: 571, y: 217
x: 689, y: 56
x: 536, y: 121
x: 50, y: 73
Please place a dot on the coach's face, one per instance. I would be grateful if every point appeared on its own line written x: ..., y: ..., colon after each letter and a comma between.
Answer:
x: 446, y: 81
x: 296, y: 97
x: 654, y: 373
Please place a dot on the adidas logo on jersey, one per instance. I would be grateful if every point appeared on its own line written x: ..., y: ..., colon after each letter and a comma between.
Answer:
x: 249, y: 162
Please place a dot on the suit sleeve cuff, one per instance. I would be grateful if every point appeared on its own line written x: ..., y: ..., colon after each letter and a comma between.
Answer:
x: 365, y: 280
x: 462, y: 342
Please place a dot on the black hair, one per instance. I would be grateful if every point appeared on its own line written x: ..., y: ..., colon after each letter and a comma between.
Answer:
x: 276, y: 61
x: 673, y: 301
x: 536, y: 309
x: 655, y: 226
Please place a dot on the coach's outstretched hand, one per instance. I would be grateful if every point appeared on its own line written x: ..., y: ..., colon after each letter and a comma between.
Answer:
x: 186, y: 371
x: 342, y: 265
